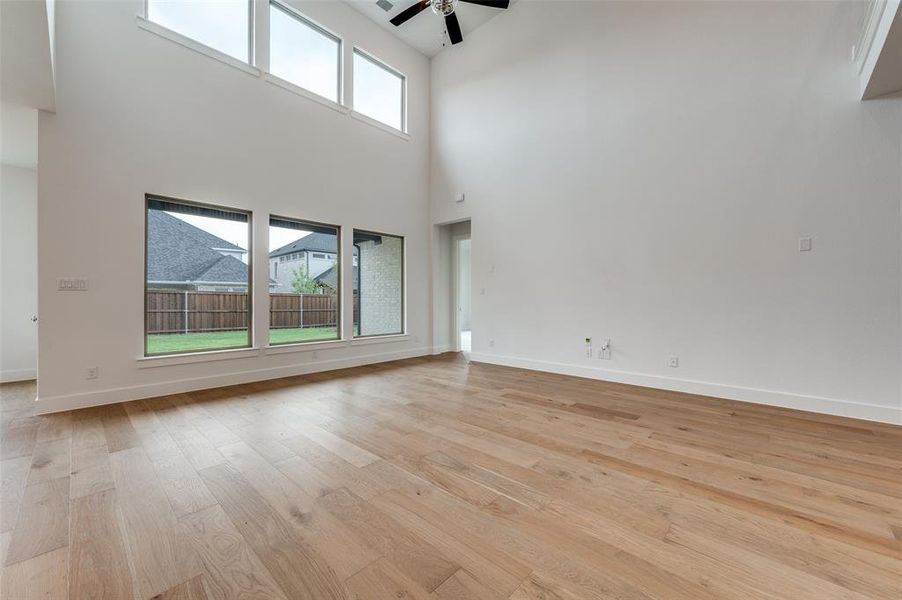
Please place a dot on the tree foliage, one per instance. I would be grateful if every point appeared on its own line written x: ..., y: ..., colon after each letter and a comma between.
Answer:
x: 302, y: 284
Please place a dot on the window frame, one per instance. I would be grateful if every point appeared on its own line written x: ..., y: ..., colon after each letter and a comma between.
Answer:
x: 325, y: 31
x: 389, y: 69
x: 339, y: 324
x: 250, y: 274
x: 251, y: 27
x: 403, y: 284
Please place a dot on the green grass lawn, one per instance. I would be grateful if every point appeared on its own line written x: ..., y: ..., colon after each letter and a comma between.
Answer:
x: 165, y: 343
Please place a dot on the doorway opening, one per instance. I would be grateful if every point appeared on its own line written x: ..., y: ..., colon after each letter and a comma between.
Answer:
x: 464, y: 312
x: 461, y: 305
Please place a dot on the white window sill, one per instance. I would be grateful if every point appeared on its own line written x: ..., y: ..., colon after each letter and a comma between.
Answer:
x: 166, y: 360
x: 304, y: 93
x: 379, y: 125
x: 305, y: 346
x: 380, y: 339
x: 198, y: 47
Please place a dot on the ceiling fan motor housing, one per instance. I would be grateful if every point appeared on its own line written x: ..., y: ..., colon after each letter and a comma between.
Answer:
x: 443, y: 7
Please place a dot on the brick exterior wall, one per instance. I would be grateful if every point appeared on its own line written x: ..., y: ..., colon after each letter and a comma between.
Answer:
x: 381, y: 286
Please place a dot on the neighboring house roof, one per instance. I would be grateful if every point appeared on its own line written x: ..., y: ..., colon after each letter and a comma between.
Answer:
x: 313, y: 242
x: 329, y: 276
x: 178, y: 251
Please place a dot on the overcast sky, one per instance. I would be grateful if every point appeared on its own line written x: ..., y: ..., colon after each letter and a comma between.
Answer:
x: 232, y: 231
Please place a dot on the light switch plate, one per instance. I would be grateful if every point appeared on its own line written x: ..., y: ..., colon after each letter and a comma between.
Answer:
x: 805, y: 244
x: 71, y: 284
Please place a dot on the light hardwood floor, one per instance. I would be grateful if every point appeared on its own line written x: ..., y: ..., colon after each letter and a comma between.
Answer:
x: 432, y: 478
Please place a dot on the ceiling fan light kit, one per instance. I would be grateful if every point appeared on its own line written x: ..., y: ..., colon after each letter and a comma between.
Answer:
x: 446, y: 9
x: 443, y: 7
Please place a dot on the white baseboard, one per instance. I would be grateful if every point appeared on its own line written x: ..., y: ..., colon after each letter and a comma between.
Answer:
x: 52, y: 404
x: 11, y: 375
x: 441, y: 349
x: 830, y: 406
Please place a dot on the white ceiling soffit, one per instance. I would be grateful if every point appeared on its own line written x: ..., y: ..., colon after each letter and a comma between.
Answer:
x: 882, y: 72
x: 18, y: 135
x: 26, y: 55
x: 426, y: 31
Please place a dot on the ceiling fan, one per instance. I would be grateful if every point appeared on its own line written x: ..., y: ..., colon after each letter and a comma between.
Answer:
x: 446, y: 9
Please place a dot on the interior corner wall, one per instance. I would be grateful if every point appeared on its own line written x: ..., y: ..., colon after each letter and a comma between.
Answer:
x: 651, y: 166
x: 18, y: 272
x: 138, y: 113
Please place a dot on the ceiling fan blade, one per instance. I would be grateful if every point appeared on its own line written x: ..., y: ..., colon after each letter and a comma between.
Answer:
x: 453, y: 27
x: 490, y: 3
x: 410, y: 12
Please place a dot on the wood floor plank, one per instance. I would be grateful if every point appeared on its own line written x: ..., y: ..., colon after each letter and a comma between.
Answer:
x: 43, y: 521
x: 57, y: 426
x: 182, y: 485
x: 159, y: 559
x: 91, y: 471
x: 118, y: 430
x: 231, y: 569
x: 344, y: 552
x: 51, y: 460
x: 13, y: 475
x: 87, y: 429
x: 353, y: 454
x: 19, y: 440
x: 43, y: 576
x: 420, y: 561
x: 382, y: 581
x: 98, y: 558
x: 193, y: 589
x: 293, y: 563
x: 463, y: 586
x: 540, y: 588
x: 494, y: 570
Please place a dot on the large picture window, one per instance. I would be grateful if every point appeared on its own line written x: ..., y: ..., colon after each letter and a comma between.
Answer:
x: 224, y: 25
x: 378, y: 284
x: 197, y: 277
x: 304, y: 53
x: 304, y: 281
x: 379, y: 91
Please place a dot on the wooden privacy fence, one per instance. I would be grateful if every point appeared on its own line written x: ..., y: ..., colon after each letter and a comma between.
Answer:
x: 175, y: 311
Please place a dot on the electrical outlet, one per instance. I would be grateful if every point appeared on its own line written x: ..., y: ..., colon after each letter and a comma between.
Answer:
x: 674, y: 362
x: 805, y: 244
x: 91, y: 373
x: 589, y: 352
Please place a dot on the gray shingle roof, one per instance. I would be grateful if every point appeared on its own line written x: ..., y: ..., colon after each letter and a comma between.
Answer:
x: 313, y: 242
x: 328, y: 278
x: 179, y: 251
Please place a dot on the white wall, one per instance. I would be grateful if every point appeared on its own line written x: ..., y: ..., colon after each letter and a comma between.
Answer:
x: 138, y: 113
x: 18, y: 272
x: 672, y: 154
x: 442, y: 335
